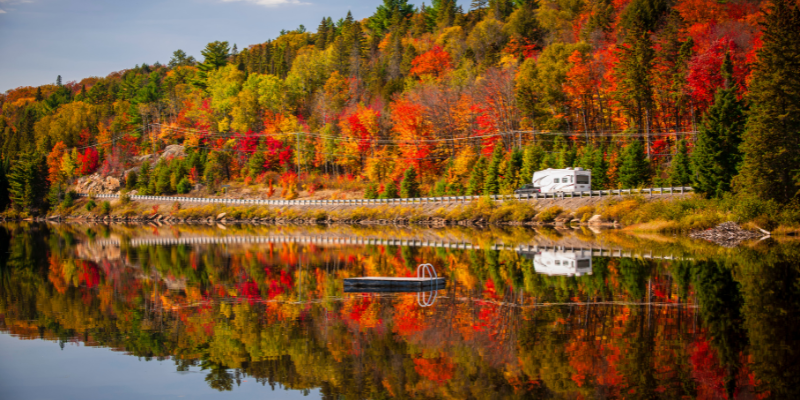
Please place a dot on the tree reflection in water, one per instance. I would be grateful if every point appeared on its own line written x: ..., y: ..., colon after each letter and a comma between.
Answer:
x: 720, y: 326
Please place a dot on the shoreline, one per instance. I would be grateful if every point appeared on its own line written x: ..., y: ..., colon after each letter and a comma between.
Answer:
x: 635, y: 213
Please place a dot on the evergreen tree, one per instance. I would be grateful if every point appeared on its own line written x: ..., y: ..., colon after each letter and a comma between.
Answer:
x: 389, y: 191
x: 478, y: 4
x: 476, y: 178
x: 216, y: 55
x: 179, y: 58
x: 510, y: 172
x: 58, y: 80
x: 184, y: 186
x: 634, y: 169
x: 143, y: 179
x: 382, y: 19
x: 371, y: 191
x: 4, y: 200
x: 491, y: 183
x: 635, y: 73
x: 599, y: 169
x: 515, y: 167
x: 716, y: 157
x: 130, y: 180
x: 256, y: 163
x: 321, y: 39
x: 680, y: 171
x: 409, y: 187
x: 771, y: 147
x: 531, y: 161
x: 27, y: 181
x: 163, y: 185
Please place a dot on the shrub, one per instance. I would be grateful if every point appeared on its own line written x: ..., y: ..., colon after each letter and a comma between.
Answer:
x: 90, y: 205
x: 523, y: 211
x: 105, y: 208
x: 584, y: 213
x: 749, y: 208
x: 124, y: 197
x: 549, y: 214
x: 615, y: 211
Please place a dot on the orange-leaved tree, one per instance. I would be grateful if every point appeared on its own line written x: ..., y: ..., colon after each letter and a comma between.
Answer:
x: 54, y: 174
x: 415, y: 135
x: 435, y: 62
x: 360, y: 130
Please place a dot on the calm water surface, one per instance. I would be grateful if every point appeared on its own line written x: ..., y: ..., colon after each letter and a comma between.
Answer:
x: 128, y: 312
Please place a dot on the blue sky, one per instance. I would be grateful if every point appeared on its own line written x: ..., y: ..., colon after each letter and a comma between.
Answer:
x: 41, y: 39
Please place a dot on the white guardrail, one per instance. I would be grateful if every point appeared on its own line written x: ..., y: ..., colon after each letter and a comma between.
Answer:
x: 417, y: 200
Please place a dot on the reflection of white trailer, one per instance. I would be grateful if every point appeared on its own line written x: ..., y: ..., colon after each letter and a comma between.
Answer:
x: 561, y: 263
x: 563, y: 180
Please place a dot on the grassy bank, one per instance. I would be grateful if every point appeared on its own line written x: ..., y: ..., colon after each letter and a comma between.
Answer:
x: 672, y: 215
x: 694, y: 212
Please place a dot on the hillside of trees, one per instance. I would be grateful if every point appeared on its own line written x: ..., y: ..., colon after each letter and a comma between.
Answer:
x: 438, y: 99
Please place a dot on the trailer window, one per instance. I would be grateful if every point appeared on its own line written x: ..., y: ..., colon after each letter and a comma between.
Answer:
x: 582, y: 179
x: 555, y: 180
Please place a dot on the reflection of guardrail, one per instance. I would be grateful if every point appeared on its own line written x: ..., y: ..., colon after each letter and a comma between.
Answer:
x: 328, y: 240
x: 418, y: 200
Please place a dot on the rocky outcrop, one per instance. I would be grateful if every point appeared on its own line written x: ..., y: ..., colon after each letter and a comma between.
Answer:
x: 169, y: 152
x: 97, y: 184
x: 173, y: 151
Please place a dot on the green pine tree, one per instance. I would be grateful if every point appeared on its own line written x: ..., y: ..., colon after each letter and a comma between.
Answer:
x: 771, y: 146
x: 680, y: 171
x: 475, y: 184
x: 491, y: 183
x: 389, y: 191
x: 599, y: 169
x: 716, y: 157
x: 409, y: 187
x: 163, y: 184
x: 143, y: 178
x: 130, y: 180
x: 371, y: 191
x: 4, y: 200
x: 27, y: 183
x: 531, y: 162
x: 184, y: 186
x: 635, y: 169
x: 256, y: 164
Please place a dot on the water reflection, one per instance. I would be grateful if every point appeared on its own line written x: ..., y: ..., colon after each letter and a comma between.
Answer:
x: 671, y: 321
x: 564, y: 262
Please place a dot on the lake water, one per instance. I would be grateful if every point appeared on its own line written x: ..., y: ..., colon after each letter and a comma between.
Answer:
x: 126, y: 312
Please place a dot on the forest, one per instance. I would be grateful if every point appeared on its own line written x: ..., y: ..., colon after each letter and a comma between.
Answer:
x: 439, y: 100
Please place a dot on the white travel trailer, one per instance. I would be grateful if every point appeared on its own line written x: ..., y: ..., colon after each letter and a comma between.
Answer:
x: 563, y: 180
x: 561, y: 263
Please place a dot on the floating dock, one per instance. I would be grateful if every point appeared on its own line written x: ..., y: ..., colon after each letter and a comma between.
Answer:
x: 427, y: 279
x: 387, y: 284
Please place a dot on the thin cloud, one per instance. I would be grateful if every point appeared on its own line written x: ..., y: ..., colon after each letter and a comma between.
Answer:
x: 267, y: 3
x: 2, y: 12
